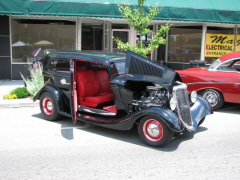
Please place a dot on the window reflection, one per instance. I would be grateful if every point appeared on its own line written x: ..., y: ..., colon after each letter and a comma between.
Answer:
x: 184, y: 44
x: 28, y: 35
x: 92, y: 34
x: 123, y: 36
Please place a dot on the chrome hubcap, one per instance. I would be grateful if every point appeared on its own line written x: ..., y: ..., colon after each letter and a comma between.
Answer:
x: 47, y: 106
x: 211, y: 98
x: 153, y: 130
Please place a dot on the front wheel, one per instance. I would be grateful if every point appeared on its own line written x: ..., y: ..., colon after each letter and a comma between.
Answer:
x: 154, y: 132
x: 214, y: 97
x: 201, y: 121
x: 48, y: 107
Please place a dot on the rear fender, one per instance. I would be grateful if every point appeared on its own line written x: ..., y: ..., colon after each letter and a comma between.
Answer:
x: 56, y: 93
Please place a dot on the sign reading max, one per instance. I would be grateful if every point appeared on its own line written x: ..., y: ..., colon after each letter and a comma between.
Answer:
x: 220, y: 44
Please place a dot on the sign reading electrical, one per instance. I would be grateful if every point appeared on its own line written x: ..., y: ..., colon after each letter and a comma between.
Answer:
x: 220, y: 44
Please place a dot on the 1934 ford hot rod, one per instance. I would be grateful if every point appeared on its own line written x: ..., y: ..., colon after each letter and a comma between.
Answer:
x: 116, y: 91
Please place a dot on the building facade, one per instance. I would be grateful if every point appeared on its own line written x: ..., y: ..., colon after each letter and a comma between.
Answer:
x: 198, y: 30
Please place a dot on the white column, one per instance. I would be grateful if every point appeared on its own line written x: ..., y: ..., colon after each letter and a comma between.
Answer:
x: 204, y: 31
x: 166, y: 46
x: 132, y: 35
x: 79, y: 34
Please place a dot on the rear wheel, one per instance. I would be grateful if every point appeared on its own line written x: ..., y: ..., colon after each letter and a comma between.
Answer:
x: 154, y: 132
x: 214, y: 97
x: 48, y: 107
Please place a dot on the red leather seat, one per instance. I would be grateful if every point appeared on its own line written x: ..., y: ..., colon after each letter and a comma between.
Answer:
x: 89, y: 90
x: 104, y: 81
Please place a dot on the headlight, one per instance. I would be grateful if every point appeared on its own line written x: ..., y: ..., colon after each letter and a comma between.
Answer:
x: 173, y: 103
x: 193, y: 96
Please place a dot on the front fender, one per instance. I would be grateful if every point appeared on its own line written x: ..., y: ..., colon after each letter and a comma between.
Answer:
x: 56, y: 93
x: 199, y: 110
x: 168, y: 116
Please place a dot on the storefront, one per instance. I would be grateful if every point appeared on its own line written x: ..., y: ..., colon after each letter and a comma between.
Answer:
x: 31, y: 26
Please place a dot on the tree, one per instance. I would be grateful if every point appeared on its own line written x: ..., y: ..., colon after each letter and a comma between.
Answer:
x: 140, y: 20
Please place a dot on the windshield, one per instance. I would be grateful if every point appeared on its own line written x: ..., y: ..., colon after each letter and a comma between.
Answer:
x: 117, y: 68
x: 214, y: 65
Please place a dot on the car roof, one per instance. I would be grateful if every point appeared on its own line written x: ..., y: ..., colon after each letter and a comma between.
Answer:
x: 230, y: 56
x: 88, y: 56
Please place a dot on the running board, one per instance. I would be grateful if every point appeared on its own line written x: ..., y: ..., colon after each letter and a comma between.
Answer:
x: 96, y: 111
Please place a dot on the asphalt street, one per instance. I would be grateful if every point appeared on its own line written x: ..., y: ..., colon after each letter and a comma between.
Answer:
x: 32, y: 148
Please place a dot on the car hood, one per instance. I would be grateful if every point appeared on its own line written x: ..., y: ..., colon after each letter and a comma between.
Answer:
x: 139, y: 68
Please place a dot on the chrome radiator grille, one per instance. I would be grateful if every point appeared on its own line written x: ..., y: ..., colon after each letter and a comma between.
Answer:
x: 183, y: 107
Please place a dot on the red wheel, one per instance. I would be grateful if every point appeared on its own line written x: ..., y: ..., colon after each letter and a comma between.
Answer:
x: 48, y: 107
x: 154, y: 131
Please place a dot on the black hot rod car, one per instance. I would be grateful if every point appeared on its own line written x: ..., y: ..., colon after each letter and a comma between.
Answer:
x: 117, y: 91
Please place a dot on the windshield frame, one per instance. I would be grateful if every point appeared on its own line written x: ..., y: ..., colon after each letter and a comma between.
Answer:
x: 214, y: 65
x: 119, y: 69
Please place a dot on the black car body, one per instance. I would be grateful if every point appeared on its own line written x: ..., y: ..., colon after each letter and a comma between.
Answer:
x: 118, y: 91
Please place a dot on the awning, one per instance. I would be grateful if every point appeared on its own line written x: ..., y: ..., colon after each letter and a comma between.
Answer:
x: 220, y: 11
x: 21, y: 44
x: 43, y: 43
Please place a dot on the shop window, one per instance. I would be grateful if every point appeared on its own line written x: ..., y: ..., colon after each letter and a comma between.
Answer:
x: 28, y: 35
x: 184, y: 44
x: 219, y: 41
x: 123, y: 36
x: 92, y: 34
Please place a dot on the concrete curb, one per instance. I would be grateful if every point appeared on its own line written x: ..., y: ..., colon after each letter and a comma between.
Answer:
x: 17, y: 103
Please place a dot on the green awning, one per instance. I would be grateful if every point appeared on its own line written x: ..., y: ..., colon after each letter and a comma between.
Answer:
x: 220, y: 11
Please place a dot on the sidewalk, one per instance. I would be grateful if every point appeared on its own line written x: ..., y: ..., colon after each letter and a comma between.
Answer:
x: 5, y: 87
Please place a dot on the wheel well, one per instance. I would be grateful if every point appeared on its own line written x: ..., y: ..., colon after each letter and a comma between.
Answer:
x: 62, y: 105
x: 167, y: 123
x: 220, y: 92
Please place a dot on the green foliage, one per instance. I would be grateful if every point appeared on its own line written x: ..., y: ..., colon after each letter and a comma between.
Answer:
x: 10, y: 96
x: 35, y: 82
x: 21, y: 92
x: 17, y: 93
x: 140, y: 21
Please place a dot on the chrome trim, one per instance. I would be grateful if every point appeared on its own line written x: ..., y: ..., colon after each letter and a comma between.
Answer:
x: 211, y: 83
x: 63, y: 81
x: 96, y: 111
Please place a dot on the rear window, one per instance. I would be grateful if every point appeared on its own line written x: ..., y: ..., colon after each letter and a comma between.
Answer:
x: 59, y: 65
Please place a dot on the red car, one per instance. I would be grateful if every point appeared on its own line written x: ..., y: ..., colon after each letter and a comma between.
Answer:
x: 218, y: 83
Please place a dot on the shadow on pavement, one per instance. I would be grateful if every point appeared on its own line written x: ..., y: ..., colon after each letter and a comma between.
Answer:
x: 130, y: 136
x: 230, y: 108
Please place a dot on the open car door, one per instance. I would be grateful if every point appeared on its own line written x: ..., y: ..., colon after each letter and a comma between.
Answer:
x: 73, y: 91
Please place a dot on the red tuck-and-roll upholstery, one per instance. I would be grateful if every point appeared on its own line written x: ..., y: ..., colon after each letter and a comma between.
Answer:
x: 90, y: 91
x: 104, y: 81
